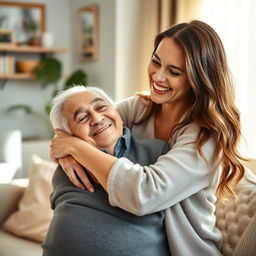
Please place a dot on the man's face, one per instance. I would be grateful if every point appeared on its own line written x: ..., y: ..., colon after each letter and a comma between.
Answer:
x: 94, y: 120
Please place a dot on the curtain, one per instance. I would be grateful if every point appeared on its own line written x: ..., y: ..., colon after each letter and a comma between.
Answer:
x: 235, y: 22
x: 158, y: 15
x: 138, y: 22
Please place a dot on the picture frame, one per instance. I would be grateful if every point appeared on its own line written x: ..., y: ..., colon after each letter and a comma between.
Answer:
x: 88, y: 22
x: 26, y: 20
x: 6, y: 37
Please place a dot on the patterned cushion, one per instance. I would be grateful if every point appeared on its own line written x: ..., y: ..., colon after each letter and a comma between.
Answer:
x: 234, y: 216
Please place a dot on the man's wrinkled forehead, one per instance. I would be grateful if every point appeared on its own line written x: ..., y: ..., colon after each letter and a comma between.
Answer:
x: 82, y: 99
x: 82, y: 109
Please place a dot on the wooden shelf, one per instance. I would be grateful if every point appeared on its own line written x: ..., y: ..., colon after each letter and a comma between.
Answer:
x: 17, y: 76
x: 31, y: 49
x: 5, y: 49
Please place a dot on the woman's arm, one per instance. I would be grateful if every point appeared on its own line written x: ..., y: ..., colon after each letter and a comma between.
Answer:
x: 177, y: 175
x: 96, y: 161
x: 73, y: 169
x: 145, y: 189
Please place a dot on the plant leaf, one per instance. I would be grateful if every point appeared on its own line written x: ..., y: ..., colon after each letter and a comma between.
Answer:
x: 78, y: 77
x: 48, y: 70
x: 27, y: 109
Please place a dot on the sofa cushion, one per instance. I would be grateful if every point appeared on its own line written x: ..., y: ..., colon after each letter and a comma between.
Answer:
x: 234, y: 216
x: 15, y: 246
x: 33, y: 216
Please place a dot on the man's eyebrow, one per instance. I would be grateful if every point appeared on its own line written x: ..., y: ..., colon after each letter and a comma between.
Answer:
x: 171, y: 66
x: 96, y: 100
x: 78, y: 111
x: 82, y: 109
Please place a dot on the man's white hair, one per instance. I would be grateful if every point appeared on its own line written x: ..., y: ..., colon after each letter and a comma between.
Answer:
x: 57, y: 117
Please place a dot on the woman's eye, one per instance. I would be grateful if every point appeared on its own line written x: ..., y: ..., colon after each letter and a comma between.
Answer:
x: 155, y: 62
x: 174, y: 73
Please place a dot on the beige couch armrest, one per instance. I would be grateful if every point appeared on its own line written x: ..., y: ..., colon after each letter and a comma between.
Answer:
x: 10, y: 195
x: 246, y: 245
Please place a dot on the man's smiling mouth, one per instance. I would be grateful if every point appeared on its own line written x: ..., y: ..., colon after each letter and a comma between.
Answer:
x: 102, y: 129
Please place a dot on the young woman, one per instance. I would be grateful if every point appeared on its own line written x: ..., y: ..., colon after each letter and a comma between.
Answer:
x: 191, y: 105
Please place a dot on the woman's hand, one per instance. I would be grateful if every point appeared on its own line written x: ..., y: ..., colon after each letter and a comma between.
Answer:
x: 61, y: 144
x: 76, y: 173
x: 60, y: 148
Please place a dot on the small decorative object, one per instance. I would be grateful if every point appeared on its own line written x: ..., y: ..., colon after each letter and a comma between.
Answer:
x: 26, y: 20
x: 34, y: 40
x: 88, y: 33
x: 26, y: 66
x: 6, y: 37
x: 47, y: 39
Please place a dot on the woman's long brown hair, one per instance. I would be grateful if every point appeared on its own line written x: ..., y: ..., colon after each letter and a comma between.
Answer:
x: 213, y: 107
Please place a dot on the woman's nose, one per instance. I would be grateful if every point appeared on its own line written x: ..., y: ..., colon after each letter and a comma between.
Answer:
x: 160, y: 75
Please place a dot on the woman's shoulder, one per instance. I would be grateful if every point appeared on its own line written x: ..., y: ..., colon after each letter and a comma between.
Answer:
x: 188, y: 135
x: 131, y: 102
x: 131, y: 109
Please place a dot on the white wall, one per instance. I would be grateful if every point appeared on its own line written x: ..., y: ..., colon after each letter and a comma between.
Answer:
x: 101, y: 72
x: 128, y: 42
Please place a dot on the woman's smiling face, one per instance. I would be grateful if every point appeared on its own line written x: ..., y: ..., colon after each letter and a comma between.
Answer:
x: 167, y: 74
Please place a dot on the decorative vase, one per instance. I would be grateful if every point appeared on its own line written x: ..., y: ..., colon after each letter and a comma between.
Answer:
x: 47, y: 39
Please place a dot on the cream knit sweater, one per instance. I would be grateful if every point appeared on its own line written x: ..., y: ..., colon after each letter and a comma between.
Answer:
x: 180, y: 182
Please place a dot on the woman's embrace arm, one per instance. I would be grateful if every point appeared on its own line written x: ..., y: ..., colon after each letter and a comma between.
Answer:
x: 66, y: 145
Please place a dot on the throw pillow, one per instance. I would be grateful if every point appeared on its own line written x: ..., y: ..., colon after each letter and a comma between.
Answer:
x: 34, y: 213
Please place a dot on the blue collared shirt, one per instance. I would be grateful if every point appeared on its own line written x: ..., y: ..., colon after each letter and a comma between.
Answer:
x: 123, y: 143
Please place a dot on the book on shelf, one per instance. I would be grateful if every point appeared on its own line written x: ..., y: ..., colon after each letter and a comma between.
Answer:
x: 7, y: 65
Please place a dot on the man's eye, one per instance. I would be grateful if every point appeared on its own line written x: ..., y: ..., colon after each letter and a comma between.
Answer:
x: 102, y: 107
x: 83, y: 118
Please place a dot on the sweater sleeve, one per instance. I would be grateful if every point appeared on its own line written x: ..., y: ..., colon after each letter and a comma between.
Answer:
x: 175, y: 176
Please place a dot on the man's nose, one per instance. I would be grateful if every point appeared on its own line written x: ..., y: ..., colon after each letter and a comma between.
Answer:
x: 96, y: 118
x: 160, y: 75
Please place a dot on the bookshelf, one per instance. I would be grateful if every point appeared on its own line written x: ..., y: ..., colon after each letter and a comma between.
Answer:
x: 8, y: 57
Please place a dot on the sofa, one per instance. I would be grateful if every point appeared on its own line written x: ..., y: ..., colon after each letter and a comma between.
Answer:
x: 10, y: 155
x: 236, y: 219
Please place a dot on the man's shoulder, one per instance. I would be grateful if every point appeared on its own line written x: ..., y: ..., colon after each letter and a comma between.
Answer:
x: 150, y: 144
x: 147, y: 151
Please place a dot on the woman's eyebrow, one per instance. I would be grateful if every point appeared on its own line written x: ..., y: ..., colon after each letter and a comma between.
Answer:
x: 170, y: 66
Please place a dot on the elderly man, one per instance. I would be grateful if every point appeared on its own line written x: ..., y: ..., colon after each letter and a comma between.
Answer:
x: 85, y: 223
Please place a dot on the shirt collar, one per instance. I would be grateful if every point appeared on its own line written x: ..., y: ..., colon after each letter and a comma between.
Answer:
x: 123, y: 143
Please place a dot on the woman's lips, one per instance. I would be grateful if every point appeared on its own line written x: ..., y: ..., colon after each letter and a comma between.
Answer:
x: 161, y: 89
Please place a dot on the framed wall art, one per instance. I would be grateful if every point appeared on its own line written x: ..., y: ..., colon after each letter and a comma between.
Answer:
x: 6, y: 37
x: 88, y: 33
x: 25, y: 19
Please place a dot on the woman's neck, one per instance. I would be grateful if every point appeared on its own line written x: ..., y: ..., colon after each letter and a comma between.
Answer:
x: 167, y: 117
